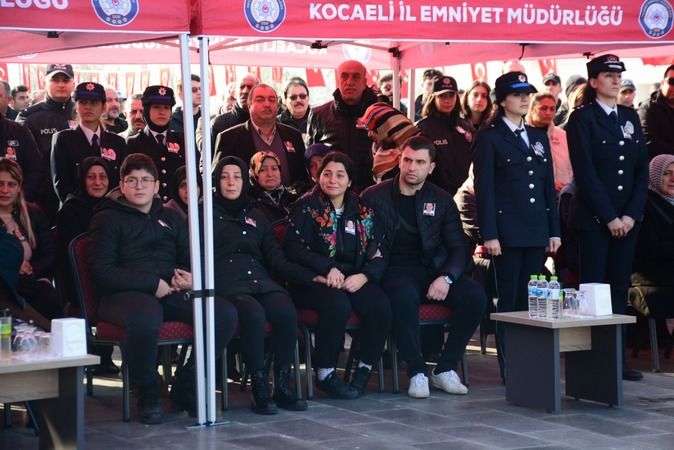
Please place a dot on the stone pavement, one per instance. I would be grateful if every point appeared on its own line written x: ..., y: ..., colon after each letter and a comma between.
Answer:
x: 480, y: 420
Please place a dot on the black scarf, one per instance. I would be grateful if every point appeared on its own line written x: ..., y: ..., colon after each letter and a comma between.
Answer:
x: 233, y: 207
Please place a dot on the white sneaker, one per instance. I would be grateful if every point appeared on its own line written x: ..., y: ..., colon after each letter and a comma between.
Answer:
x: 419, y: 386
x: 449, y: 382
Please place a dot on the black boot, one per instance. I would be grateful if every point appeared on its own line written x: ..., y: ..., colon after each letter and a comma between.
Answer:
x: 360, y: 380
x: 184, y: 389
x: 261, y: 401
x: 284, y: 396
x: 149, y: 406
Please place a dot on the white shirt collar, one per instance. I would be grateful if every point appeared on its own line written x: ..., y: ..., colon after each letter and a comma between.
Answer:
x: 607, y: 109
x: 514, y: 127
x: 90, y: 134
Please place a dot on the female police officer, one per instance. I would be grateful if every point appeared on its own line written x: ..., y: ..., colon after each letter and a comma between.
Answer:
x: 610, y: 166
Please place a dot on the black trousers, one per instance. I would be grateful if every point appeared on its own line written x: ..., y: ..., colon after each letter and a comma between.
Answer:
x: 41, y: 295
x: 604, y: 259
x: 141, y: 315
x: 254, y: 311
x: 407, y: 287
x: 334, y: 307
x: 512, y: 269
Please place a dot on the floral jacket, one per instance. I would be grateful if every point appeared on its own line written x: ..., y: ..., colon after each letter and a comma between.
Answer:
x: 319, y: 240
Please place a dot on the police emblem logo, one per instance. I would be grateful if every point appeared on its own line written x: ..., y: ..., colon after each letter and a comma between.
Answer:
x: 655, y: 18
x: 265, y: 16
x: 90, y: 86
x: 611, y: 59
x: 162, y: 91
x: 539, y: 150
x: 629, y: 127
x: 117, y: 13
x: 522, y: 78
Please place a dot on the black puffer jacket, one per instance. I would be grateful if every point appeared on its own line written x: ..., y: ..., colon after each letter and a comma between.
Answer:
x: 657, y: 123
x: 316, y: 239
x: 133, y: 250
x: 444, y: 250
x: 334, y: 124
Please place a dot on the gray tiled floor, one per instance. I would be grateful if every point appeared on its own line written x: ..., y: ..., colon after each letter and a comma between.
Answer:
x: 481, y: 420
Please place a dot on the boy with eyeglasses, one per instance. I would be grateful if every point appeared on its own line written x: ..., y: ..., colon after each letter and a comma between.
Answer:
x: 140, y: 262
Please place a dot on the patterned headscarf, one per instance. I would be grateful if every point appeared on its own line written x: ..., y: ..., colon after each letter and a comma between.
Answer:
x: 657, y: 168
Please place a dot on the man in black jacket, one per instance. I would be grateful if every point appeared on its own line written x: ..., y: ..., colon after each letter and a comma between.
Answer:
x: 427, y: 257
x: 335, y: 123
x: 263, y: 132
x: 296, y: 100
x: 657, y: 117
x: 17, y: 143
x: 239, y: 114
x: 70, y: 147
x: 44, y: 119
x: 140, y: 261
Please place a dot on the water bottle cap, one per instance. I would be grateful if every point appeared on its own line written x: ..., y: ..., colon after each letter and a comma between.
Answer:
x: 541, y: 277
x: 533, y: 277
x: 553, y: 278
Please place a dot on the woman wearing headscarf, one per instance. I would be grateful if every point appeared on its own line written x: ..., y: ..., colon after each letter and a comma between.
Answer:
x: 179, y: 196
x: 267, y: 192
x: 652, y: 291
x: 332, y: 233
x: 451, y: 134
x: 515, y: 195
x: 388, y: 128
x: 246, y: 252
x: 610, y: 165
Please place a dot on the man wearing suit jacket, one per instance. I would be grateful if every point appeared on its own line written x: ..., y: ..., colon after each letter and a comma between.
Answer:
x: 263, y: 132
x: 71, y: 146
x: 166, y: 148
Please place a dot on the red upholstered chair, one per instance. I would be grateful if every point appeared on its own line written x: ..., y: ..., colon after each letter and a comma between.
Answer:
x: 100, y: 332
x: 429, y: 314
x: 307, y: 320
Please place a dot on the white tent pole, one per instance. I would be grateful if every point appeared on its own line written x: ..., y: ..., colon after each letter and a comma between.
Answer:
x: 209, y: 277
x: 395, y: 82
x: 411, y: 81
x: 193, y: 220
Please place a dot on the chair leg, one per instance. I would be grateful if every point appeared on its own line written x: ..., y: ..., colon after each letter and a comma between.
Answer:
x: 483, y: 341
x: 309, y: 370
x: 224, y: 401
x: 90, y: 380
x: 298, y: 378
x: 7, y: 408
x: 33, y: 419
x: 350, y: 359
x: 380, y: 374
x: 655, y: 351
x: 126, y: 390
x: 464, y: 369
x: 167, y: 367
x: 393, y: 350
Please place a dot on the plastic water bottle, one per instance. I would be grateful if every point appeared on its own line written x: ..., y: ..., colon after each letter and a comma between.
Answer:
x: 5, y: 334
x: 542, y: 287
x: 532, y: 289
x: 553, y: 299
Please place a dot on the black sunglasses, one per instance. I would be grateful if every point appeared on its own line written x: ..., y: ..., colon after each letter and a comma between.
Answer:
x: 301, y: 96
x: 670, y: 80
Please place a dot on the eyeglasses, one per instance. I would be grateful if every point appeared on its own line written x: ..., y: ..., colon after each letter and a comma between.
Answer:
x: 196, y: 89
x: 143, y: 182
x: 301, y: 96
x: 670, y: 80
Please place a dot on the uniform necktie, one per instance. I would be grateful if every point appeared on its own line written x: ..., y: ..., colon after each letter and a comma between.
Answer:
x: 523, y: 143
x: 160, y: 140
x: 614, y: 118
x: 94, y: 144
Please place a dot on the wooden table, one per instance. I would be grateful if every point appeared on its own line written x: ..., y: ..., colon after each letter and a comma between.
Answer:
x: 593, y: 358
x: 56, y: 385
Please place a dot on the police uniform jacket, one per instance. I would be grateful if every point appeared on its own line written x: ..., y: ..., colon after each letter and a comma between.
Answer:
x: 246, y: 253
x: 238, y: 141
x: 167, y: 158
x: 70, y: 147
x: 610, y: 166
x: 452, y: 139
x: 444, y: 250
x: 514, y: 188
x: 17, y: 143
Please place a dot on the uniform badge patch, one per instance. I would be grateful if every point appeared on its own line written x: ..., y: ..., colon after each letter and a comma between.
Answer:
x: 538, y: 149
x: 173, y: 147
x: 264, y: 16
x: 250, y: 221
x: 108, y: 153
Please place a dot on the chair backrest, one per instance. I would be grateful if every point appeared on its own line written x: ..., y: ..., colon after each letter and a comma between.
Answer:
x: 85, y: 288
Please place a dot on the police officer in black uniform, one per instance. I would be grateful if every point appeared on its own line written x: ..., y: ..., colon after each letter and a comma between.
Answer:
x: 17, y: 143
x: 165, y: 147
x: 70, y: 147
x: 46, y: 118
x: 610, y: 165
x: 515, y: 194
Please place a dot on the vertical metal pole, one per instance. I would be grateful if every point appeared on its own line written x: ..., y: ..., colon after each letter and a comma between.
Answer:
x: 411, y: 81
x: 193, y: 220
x: 395, y: 65
x: 209, y: 278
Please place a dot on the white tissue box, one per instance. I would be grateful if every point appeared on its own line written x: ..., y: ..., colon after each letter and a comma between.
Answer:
x: 68, y: 337
x: 595, y: 299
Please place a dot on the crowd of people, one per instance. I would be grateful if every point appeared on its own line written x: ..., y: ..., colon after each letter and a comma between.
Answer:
x: 345, y: 207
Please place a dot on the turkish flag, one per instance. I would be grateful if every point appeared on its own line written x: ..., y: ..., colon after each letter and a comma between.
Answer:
x: 25, y: 75
x: 211, y: 82
x: 113, y: 79
x: 41, y: 73
x: 479, y: 71
x: 165, y: 76
x: 130, y: 83
x: 230, y: 74
x: 256, y: 71
x: 144, y: 79
x: 547, y: 65
x: 3, y: 71
x: 315, y: 78
x: 658, y: 60
x: 277, y: 74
